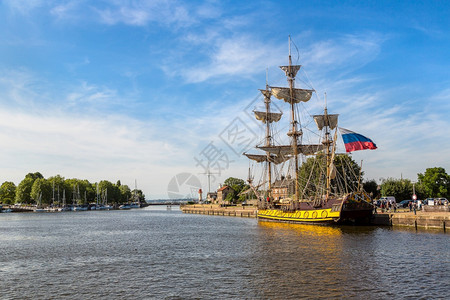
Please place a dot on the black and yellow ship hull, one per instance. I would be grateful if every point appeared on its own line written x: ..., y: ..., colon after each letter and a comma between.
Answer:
x: 300, y: 216
x: 350, y: 210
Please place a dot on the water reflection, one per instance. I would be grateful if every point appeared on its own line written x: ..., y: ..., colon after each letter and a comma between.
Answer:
x: 161, y: 254
x: 298, y: 259
x: 313, y: 261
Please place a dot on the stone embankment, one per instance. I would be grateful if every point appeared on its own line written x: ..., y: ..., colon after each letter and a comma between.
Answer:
x: 422, y: 219
x: 215, y: 209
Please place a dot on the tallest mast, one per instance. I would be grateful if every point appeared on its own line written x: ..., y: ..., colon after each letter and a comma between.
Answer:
x: 294, y: 133
x: 293, y: 96
x: 268, y: 136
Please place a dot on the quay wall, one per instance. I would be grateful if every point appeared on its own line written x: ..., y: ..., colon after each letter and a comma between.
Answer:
x: 422, y: 219
x: 215, y: 209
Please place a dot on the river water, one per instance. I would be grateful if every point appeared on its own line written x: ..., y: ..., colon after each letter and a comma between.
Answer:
x: 156, y: 253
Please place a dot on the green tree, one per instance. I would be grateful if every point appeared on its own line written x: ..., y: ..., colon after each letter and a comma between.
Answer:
x: 140, y: 195
x: 41, y: 188
x: 401, y: 189
x: 231, y: 197
x: 23, y: 191
x: 238, y: 185
x: 371, y: 187
x: 34, y: 176
x: 312, y: 175
x: 87, y: 191
x: 234, y: 181
x: 7, y: 192
x: 125, y: 193
x: 435, y: 182
x: 114, y: 195
x: 57, y: 182
x: 72, y: 195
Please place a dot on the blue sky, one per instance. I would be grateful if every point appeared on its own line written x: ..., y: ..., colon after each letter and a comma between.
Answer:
x: 145, y: 89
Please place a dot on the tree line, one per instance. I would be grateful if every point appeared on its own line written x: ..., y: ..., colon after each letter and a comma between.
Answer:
x: 433, y: 183
x: 52, y: 190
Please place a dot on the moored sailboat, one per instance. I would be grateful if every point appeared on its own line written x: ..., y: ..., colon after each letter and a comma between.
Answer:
x: 314, y: 196
x: 135, y: 202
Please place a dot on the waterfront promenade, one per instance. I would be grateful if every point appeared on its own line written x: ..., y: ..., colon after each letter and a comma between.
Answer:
x: 402, y: 217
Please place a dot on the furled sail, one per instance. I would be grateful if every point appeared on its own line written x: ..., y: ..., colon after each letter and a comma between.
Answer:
x: 332, y: 171
x: 266, y: 93
x: 287, y: 150
x: 291, y: 71
x: 326, y: 120
x: 257, y: 157
x: 267, y: 117
x: 299, y: 95
x: 276, y: 159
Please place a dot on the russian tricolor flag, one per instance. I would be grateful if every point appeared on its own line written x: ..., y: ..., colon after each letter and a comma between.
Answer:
x: 354, y: 141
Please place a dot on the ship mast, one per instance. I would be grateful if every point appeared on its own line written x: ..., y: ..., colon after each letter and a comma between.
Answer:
x: 267, y: 117
x: 327, y: 143
x: 293, y: 96
x: 268, y: 136
x: 294, y: 133
x: 277, y: 154
x: 328, y: 122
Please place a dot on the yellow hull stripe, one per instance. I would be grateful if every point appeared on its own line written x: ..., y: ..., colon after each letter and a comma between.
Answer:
x: 320, y: 215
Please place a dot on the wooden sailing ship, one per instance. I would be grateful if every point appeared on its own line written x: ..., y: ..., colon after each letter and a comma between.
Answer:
x: 324, y: 203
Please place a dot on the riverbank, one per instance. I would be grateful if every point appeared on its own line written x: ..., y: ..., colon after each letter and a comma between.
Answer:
x: 423, y: 219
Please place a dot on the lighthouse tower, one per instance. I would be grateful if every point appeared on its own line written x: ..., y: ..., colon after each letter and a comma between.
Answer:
x: 200, y: 193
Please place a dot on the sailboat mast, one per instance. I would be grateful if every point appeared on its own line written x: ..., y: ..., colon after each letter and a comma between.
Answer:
x: 53, y: 188
x: 294, y: 133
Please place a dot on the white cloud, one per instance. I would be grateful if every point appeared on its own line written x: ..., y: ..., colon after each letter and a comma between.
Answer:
x: 66, y: 10
x: 24, y: 6
x: 242, y: 56
x: 141, y: 13
x: 345, y: 53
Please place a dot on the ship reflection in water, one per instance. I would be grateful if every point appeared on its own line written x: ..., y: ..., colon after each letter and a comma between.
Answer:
x: 313, y: 261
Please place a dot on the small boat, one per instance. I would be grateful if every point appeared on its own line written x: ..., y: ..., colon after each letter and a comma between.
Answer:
x: 104, y: 200
x: 125, y: 206
x: 80, y: 207
x: 39, y: 208
x: 5, y: 210
x: 136, y: 203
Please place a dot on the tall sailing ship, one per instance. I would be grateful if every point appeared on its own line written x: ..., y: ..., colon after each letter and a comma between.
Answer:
x: 315, y: 195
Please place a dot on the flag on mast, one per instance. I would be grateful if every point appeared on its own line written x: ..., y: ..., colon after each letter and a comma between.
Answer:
x: 354, y: 141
